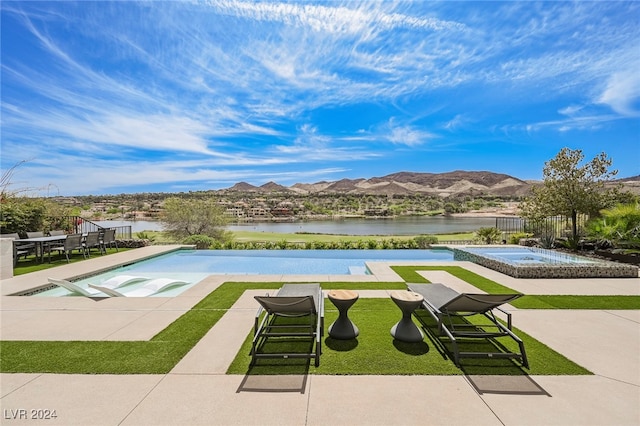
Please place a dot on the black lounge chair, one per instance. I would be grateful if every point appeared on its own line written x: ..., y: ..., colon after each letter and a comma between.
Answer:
x: 446, y: 306
x: 295, y: 312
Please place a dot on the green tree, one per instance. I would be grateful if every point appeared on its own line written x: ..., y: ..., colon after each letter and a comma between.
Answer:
x: 197, y: 216
x: 569, y: 189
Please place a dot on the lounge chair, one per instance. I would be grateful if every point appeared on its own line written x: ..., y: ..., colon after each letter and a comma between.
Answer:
x: 150, y: 288
x: 76, y: 289
x: 295, y: 312
x: 447, y: 307
x: 122, y: 280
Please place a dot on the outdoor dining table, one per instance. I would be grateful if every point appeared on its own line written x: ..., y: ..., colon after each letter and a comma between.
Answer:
x: 40, y: 243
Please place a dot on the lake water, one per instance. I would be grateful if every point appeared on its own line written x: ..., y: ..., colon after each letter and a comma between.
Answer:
x: 398, y: 226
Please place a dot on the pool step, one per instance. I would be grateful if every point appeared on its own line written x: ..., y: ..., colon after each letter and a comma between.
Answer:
x: 358, y: 270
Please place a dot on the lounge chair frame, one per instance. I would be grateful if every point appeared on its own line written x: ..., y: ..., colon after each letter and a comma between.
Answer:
x: 445, y: 305
x: 304, y: 301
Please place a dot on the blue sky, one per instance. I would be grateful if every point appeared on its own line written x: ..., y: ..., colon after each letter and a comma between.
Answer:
x: 113, y: 97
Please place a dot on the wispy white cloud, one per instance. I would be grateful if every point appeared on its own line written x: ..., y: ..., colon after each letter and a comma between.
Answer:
x: 333, y: 18
x: 404, y: 134
x: 311, y: 145
x: 622, y: 93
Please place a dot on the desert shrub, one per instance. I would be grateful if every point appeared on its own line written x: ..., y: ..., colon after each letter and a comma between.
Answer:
x: 425, y: 241
x: 548, y: 241
x: 515, y: 238
x: 488, y: 235
x: 146, y: 236
x: 202, y: 242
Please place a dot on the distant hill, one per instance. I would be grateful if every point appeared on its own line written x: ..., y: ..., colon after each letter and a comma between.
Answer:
x: 406, y: 183
x: 633, y: 179
x: 456, y: 183
x: 631, y: 184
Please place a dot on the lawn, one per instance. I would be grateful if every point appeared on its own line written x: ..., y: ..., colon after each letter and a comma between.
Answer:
x: 375, y: 352
x: 410, y: 274
x: 246, y: 236
x: 31, y: 264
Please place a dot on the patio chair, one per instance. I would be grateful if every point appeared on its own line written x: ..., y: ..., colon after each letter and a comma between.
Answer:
x: 76, y: 289
x: 13, y: 236
x: 56, y: 232
x: 108, y: 239
x: 92, y: 240
x: 295, y: 312
x: 450, y: 309
x: 35, y: 234
x: 19, y: 248
x: 71, y: 243
x: 150, y: 288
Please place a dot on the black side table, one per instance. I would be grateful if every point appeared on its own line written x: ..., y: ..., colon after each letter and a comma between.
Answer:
x: 405, y: 330
x: 343, y: 328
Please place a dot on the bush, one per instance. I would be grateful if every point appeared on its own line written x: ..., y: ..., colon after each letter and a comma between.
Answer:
x: 488, y: 235
x: 145, y: 236
x: 425, y: 241
x: 202, y: 242
x: 515, y: 238
x: 548, y: 241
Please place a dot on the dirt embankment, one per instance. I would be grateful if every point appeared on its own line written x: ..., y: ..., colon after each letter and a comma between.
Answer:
x: 509, y: 209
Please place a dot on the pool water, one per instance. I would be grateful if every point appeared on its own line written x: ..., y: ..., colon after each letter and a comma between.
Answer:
x: 524, y: 255
x: 195, y: 265
x: 532, y: 262
x: 287, y: 262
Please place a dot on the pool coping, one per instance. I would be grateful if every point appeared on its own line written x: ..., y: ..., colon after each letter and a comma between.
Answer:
x: 595, y: 269
x: 380, y: 271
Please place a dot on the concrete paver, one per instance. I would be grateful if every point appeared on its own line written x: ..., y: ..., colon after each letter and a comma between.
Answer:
x: 211, y: 357
x: 572, y: 400
x: 213, y: 399
x: 76, y: 399
x: 396, y: 400
x: 604, y: 342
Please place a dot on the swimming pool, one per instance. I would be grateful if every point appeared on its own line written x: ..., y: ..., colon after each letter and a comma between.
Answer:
x: 533, y: 262
x: 195, y: 265
x: 288, y: 262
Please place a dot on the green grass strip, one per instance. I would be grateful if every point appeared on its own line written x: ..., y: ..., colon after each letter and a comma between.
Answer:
x: 156, y: 356
x: 32, y: 264
x: 410, y: 274
x: 161, y: 353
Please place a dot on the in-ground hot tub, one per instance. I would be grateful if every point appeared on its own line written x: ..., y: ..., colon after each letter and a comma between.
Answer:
x: 531, y: 262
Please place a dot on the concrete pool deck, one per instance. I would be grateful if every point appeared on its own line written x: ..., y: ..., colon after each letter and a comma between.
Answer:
x: 197, y: 390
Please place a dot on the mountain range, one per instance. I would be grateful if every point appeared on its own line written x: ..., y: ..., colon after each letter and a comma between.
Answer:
x: 456, y: 183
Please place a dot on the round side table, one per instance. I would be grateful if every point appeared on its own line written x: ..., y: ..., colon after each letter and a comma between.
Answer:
x: 405, y: 330
x: 343, y: 328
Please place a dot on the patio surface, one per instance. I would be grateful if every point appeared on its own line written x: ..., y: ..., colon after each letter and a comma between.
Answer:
x: 198, y: 392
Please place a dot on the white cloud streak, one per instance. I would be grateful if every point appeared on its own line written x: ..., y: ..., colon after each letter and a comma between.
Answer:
x: 622, y: 93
